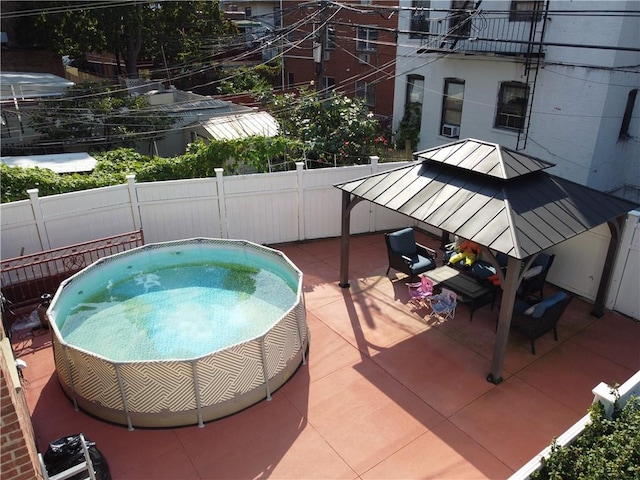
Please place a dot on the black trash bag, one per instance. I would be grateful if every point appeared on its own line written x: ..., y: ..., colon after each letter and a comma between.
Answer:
x: 66, y: 452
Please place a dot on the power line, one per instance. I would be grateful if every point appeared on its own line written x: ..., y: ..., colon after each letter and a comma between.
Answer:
x: 393, y: 63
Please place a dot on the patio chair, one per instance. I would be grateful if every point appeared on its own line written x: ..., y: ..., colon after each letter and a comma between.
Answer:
x: 407, y: 256
x: 534, y: 320
x: 532, y: 284
x: 420, y: 292
x: 443, y: 305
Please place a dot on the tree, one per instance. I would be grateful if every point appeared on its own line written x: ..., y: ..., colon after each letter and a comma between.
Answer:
x: 259, y: 80
x: 337, y: 130
x: 100, y: 114
x: 164, y: 32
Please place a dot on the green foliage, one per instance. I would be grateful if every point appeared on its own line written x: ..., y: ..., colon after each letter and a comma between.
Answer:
x: 182, y: 30
x: 606, y: 449
x: 335, y: 128
x: 258, y: 80
x: 99, y: 112
x: 168, y: 32
x: 409, y: 129
x: 200, y: 161
x: 16, y: 181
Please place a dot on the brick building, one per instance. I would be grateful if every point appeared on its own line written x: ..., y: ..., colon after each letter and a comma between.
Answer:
x: 351, y: 49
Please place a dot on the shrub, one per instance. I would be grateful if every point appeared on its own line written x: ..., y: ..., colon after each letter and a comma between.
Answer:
x: 606, y: 449
x: 200, y: 161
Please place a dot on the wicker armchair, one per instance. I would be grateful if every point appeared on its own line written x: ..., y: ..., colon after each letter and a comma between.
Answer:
x: 407, y: 256
x: 532, y: 286
x: 535, y: 320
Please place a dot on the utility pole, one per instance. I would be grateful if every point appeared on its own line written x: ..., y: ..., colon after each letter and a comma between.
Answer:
x: 319, y: 46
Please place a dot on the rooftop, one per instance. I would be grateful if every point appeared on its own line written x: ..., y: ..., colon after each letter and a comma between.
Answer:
x: 23, y: 85
x: 56, y: 162
x: 386, y: 392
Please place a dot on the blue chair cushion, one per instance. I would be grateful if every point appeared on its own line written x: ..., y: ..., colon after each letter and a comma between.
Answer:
x: 481, y: 269
x: 403, y: 242
x: 420, y: 264
x: 520, y: 306
x: 546, y: 303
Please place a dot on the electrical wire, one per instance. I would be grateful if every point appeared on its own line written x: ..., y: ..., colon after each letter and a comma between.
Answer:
x: 305, y: 22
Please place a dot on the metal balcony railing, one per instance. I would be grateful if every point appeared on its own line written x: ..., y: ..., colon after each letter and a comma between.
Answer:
x: 24, y: 279
x: 479, y: 32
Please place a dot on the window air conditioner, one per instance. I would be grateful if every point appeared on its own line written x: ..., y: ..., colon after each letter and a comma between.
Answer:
x: 364, y: 58
x: 450, y: 130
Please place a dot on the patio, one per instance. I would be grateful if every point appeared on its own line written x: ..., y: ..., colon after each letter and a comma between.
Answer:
x: 385, y: 393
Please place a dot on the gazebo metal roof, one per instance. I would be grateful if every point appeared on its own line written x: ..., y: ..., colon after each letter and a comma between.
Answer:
x: 496, y: 197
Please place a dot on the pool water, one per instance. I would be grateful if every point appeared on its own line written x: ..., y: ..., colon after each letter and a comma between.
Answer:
x: 179, y: 311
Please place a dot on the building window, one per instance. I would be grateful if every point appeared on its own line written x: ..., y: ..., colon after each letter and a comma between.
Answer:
x: 525, y: 11
x: 452, y: 106
x: 328, y: 83
x: 419, y: 19
x: 366, y: 91
x: 460, y: 18
x: 367, y: 39
x: 628, y: 113
x: 415, y: 89
x: 247, y: 12
x: 512, y: 105
x: 329, y: 33
x: 409, y: 129
x: 331, y: 37
x: 277, y: 17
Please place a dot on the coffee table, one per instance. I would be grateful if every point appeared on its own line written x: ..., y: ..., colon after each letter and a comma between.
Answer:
x: 469, y: 290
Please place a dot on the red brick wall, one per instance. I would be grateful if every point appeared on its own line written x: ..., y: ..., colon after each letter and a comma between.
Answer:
x: 16, y: 57
x: 36, y: 61
x: 343, y: 64
x: 18, y: 454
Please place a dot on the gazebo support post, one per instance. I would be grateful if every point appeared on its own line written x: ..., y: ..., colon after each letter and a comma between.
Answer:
x: 347, y: 205
x: 615, y: 227
x: 510, y: 286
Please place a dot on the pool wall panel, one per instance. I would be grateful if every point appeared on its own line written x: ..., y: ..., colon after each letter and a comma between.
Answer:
x: 166, y: 393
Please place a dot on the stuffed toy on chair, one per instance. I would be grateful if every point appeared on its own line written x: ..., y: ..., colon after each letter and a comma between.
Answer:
x: 467, y: 251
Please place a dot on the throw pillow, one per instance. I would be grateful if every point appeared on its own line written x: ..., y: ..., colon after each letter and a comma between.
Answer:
x: 533, y: 271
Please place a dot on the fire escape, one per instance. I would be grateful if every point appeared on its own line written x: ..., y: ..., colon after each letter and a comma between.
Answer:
x: 468, y: 30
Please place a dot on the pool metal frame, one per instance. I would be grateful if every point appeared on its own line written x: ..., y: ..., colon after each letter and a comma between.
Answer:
x: 168, y: 393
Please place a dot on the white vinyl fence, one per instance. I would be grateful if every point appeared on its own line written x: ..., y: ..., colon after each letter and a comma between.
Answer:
x: 270, y: 208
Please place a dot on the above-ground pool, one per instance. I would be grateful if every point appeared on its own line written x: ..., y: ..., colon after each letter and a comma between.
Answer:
x: 178, y: 333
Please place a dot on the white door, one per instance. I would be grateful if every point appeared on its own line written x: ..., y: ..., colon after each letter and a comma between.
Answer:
x: 625, y: 282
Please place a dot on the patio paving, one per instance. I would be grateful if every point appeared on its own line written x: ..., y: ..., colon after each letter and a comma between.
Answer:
x: 385, y: 394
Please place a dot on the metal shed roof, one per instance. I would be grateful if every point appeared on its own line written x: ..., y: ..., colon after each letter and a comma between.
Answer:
x: 241, y: 125
x: 57, y: 162
x: 25, y: 85
x: 494, y: 196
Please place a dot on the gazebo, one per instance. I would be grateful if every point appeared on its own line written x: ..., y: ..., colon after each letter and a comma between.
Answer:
x: 499, y: 198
